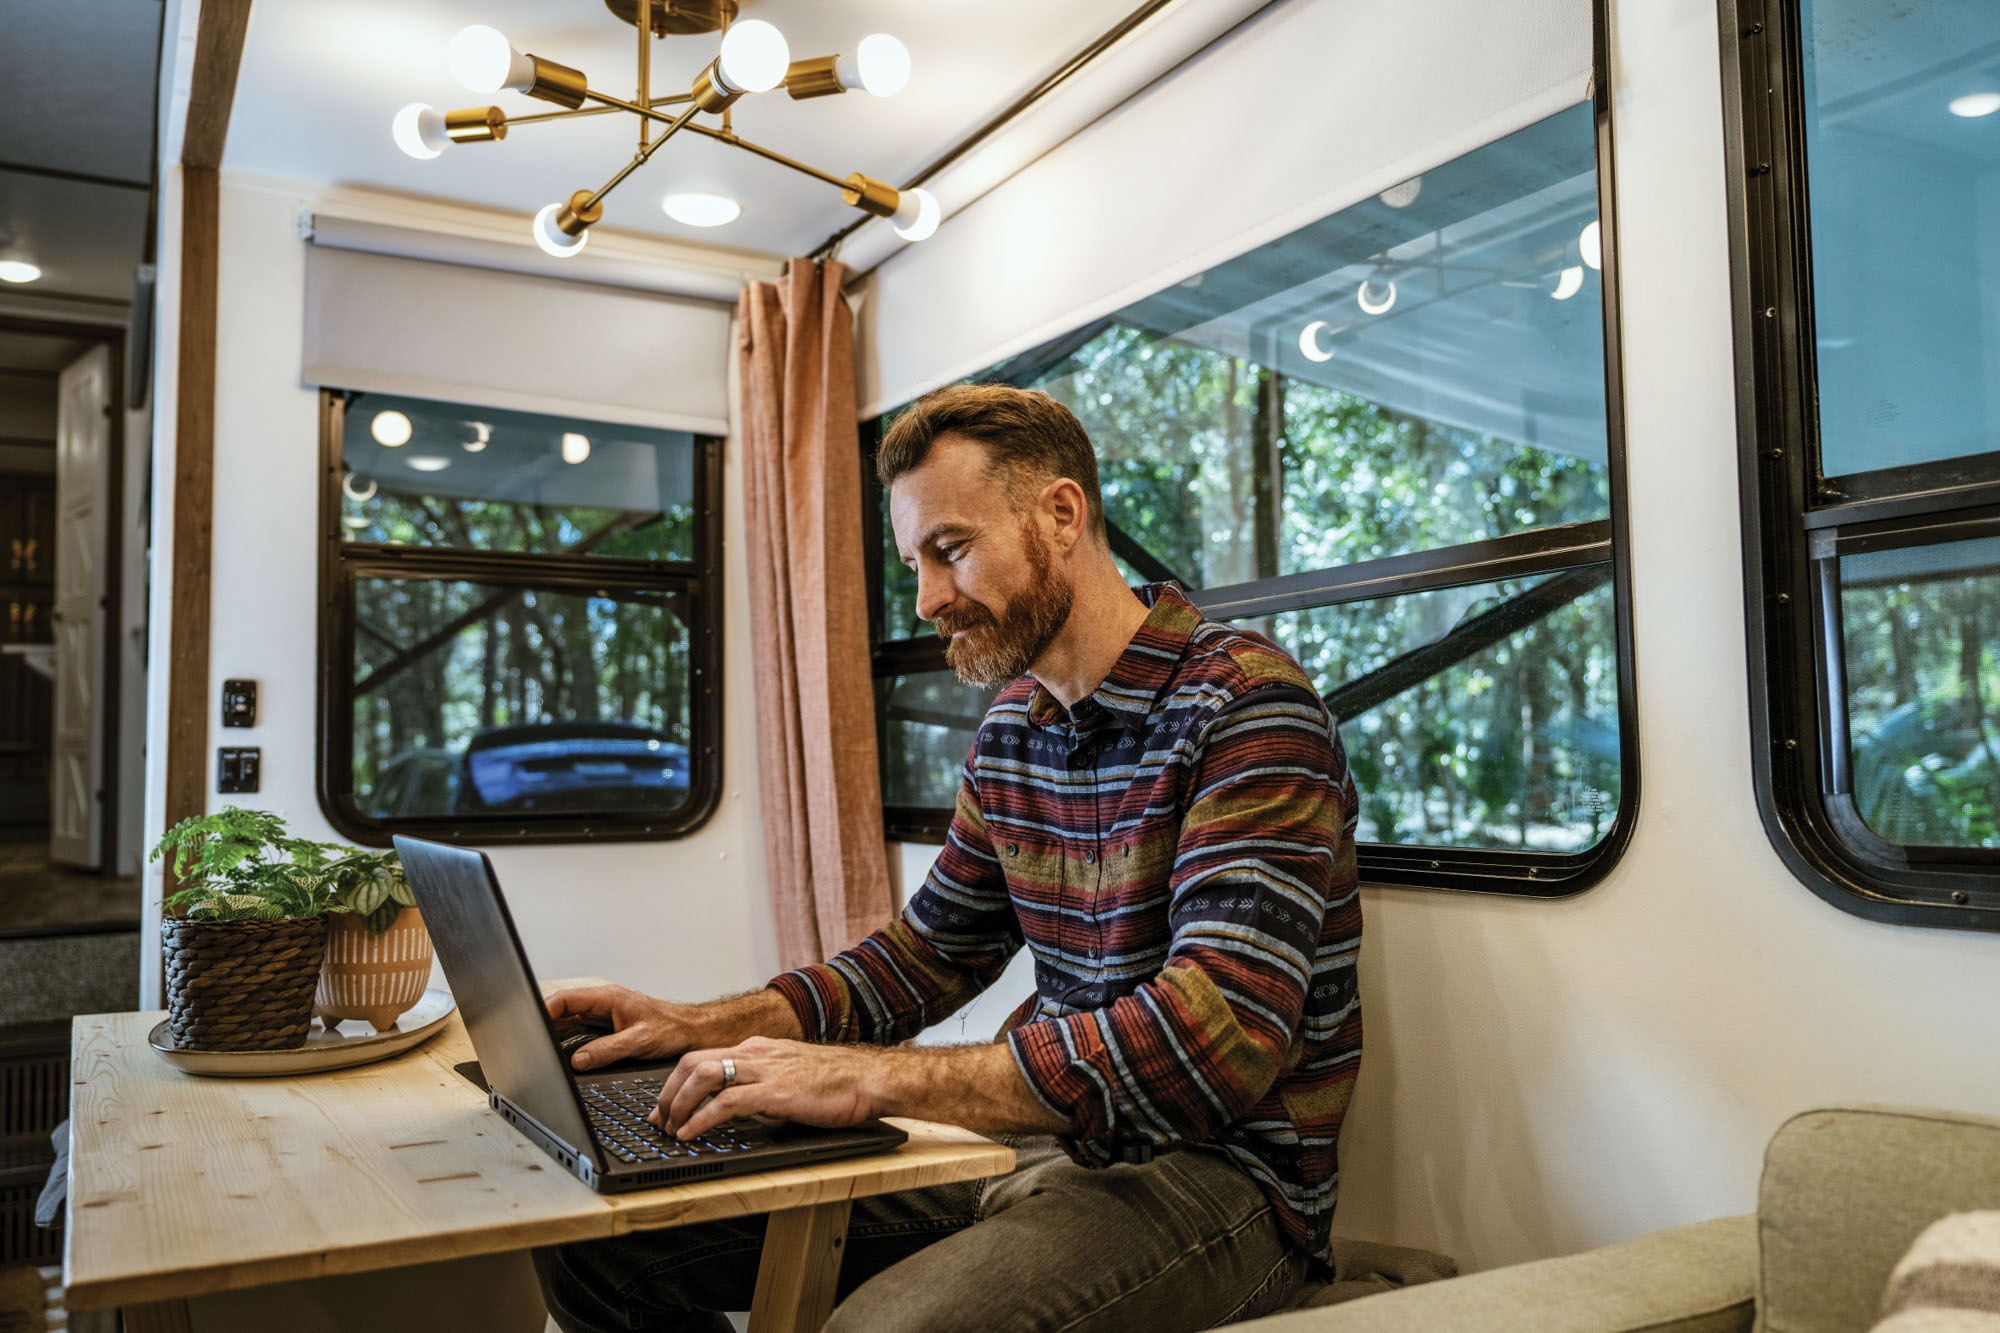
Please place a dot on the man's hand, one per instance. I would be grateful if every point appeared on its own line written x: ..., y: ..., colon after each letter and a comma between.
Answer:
x: 643, y: 1028
x: 793, y: 1080
x: 835, y: 1086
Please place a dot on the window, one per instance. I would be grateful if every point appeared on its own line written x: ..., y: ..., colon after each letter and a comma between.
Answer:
x: 1384, y: 442
x: 1865, y: 180
x: 518, y: 624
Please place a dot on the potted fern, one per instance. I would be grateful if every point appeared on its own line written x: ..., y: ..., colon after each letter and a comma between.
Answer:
x: 378, y: 954
x: 244, y: 935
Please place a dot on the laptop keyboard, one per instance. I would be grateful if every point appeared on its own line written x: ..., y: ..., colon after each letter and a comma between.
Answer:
x: 618, y: 1110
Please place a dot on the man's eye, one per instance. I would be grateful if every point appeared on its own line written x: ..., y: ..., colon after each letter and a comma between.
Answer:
x: 952, y: 552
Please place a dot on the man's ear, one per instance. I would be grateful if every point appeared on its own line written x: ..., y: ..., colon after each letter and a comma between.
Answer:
x: 1063, y: 504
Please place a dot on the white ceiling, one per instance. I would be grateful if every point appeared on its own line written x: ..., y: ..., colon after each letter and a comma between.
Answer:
x: 320, y: 83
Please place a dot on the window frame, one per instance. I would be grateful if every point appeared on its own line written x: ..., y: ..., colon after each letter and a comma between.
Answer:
x: 697, y: 582
x: 1598, y: 544
x: 1797, y: 523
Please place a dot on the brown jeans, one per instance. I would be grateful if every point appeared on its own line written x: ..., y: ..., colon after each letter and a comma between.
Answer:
x: 1186, y: 1241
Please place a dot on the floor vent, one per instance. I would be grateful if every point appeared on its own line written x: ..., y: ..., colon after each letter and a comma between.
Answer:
x: 34, y: 1099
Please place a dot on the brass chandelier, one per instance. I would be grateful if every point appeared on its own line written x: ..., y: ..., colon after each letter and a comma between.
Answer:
x: 753, y: 58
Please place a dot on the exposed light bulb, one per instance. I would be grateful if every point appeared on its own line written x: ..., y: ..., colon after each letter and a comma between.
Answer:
x: 1568, y: 283
x: 754, y: 57
x: 917, y: 215
x: 552, y: 239
x: 1973, y: 105
x: 1403, y: 194
x: 18, y: 270
x: 702, y: 210
x: 575, y: 448
x: 883, y: 64
x: 419, y: 131
x: 482, y: 59
x: 1374, y: 299
x: 1309, y: 342
x: 391, y: 429
x: 1590, y: 245
x: 428, y: 462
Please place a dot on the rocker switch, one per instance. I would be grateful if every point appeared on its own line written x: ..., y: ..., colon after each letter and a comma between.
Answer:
x: 239, y: 703
x: 237, y: 769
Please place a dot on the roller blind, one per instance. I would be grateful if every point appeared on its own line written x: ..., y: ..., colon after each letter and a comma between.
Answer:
x: 1308, y: 107
x: 475, y: 335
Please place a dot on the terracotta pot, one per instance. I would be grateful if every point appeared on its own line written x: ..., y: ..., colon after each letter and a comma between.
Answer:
x: 373, y: 977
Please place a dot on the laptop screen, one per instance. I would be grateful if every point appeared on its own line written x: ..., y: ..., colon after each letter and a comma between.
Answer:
x: 495, y: 988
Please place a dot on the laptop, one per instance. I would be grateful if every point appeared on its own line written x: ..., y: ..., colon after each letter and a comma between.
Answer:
x: 593, y: 1123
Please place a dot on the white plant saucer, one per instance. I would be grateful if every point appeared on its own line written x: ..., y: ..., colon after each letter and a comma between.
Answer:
x: 350, y: 1043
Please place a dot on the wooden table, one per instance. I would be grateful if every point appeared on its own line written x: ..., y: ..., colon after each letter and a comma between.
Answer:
x: 181, y: 1185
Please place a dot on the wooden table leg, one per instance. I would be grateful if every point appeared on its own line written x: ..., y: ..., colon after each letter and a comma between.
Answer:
x: 157, y: 1317
x: 800, y: 1268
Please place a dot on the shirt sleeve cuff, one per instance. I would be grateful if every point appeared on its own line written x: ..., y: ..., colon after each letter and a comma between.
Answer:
x: 805, y: 990
x: 1064, y: 1082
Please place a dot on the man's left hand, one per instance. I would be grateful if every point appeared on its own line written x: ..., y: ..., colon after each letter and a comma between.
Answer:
x: 793, y: 1080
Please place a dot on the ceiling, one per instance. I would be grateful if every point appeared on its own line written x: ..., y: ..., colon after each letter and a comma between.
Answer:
x: 77, y: 80
x: 321, y: 82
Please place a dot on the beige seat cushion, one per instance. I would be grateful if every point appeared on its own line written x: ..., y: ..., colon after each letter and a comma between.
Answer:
x: 1845, y: 1192
x: 1696, y: 1279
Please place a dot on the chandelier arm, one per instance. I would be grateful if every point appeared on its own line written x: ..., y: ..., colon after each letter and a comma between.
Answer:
x: 675, y: 99
x: 639, y: 158
x: 644, y: 96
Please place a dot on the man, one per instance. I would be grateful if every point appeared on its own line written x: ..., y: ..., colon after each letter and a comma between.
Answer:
x: 1160, y: 809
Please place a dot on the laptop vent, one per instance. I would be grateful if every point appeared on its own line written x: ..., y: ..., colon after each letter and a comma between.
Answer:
x: 691, y: 1172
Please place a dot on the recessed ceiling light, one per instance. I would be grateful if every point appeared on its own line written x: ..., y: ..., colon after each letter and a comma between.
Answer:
x: 1975, y: 104
x: 18, y: 270
x: 702, y: 210
x: 575, y: 448
x: 428, y: 462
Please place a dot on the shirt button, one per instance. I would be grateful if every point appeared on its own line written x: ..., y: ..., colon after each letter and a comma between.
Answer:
x: 1012, y: 850
x: 1089, y: 857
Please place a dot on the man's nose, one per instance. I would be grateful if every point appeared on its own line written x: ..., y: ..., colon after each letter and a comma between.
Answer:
x: 934, y: 592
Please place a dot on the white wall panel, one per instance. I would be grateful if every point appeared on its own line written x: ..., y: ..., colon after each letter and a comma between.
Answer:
x: 1301, y: 111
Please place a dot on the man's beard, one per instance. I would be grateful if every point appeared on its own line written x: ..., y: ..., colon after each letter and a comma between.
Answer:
x: 993, y: 652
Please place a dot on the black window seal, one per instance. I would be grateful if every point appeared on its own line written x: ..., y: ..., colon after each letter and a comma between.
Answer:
x: 1552, y: 549
x: 696, y: 584
x: 1795, y: 521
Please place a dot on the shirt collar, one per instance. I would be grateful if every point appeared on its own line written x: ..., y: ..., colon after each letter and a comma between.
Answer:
x: 1124, y: 698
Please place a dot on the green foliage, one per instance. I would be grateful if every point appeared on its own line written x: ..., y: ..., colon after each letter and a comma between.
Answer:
x: 243, y: 865
x: 1517, y: 747
x: 373, y: 886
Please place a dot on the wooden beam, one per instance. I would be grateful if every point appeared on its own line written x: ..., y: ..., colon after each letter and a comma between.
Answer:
x: 218, y: 52
x: 194, y: 494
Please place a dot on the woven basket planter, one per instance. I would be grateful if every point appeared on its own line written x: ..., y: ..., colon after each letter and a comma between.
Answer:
x: 241, y: 985
x: 373, y: 977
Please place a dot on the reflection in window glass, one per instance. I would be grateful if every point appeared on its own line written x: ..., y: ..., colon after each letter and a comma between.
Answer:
x: 1485, y: 718
x: 1921, y: 630
x: 422, y: 473
x: 484, y: 698
x: 1902, y: 121
x: 929, y: 721
x: 1422, y: 369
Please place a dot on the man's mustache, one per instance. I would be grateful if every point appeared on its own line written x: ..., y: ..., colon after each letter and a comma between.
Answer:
x: 949, y: 623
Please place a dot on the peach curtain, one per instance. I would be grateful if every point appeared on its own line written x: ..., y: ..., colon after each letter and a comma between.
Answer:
x: 823, y: 845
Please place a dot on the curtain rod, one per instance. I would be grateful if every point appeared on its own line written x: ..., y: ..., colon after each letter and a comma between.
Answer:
x: 1061, y: 74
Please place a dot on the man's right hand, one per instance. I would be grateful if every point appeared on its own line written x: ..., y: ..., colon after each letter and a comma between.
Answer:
x: 639, y: 1027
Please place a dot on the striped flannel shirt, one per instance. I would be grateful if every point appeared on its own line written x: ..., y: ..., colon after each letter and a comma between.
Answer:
x: 1177, y: 852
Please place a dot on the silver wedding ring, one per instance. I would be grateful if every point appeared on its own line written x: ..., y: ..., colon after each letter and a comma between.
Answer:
x: 728, y: 1071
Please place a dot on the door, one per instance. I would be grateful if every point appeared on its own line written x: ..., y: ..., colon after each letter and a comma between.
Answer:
x: 83, y: 459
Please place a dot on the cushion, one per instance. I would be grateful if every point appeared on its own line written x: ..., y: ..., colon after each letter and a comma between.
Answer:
x: 1949, y: 1282
x: 1695, y: 1279
x: 1357, y: 1268
x: 1845, y: 1192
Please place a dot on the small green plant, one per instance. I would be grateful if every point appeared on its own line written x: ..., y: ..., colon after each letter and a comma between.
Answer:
x: 373, y: 886
x: 243, y: 865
